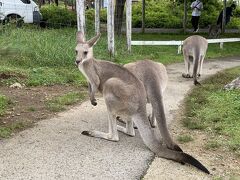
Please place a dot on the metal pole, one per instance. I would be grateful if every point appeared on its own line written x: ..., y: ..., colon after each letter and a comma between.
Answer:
x: 129, y: 23
x: 80, y: 6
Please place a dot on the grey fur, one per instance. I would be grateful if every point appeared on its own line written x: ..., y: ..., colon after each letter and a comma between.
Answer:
x: 194, y: 51
x: 154, y: 77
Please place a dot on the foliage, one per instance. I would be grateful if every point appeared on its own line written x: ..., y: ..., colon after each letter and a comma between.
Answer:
x: 169, y: 14
x: 223, y: 116
x: 58, y: 16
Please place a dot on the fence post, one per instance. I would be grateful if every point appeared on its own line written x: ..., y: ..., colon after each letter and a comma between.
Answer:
x: 110, y: 26
x: 80, y: 6
x: 221, y: 45
x: 129, y: 23
x: 179, y: 49
x: 97, y: 16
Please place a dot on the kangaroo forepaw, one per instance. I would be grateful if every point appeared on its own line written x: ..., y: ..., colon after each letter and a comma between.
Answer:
x: 86, y: 133
x: 94, y: 102
x: 186, y: 75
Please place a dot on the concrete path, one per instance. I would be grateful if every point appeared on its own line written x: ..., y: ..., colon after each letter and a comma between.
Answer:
x: 55, y: 148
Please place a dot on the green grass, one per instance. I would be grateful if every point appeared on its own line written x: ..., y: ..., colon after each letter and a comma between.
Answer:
x: 4, y: 102
x: 47, y: 56
x: 7, y: 131
x: 59, y: 103
x: 184, y: 138
x: 215, y: 110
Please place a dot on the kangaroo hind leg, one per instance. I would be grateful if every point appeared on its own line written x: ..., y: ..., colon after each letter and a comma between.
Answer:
x: 112, y: 135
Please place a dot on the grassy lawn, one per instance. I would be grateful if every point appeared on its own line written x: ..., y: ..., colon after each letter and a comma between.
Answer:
x: 211, y: 108
x: 46, y: 56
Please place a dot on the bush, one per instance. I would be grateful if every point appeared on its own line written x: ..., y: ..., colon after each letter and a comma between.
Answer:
x: 58, y: 16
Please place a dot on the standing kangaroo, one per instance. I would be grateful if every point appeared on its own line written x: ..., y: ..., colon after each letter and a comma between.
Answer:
x: 154, y: 77
x: 194, y: 51
x: 124, y: 96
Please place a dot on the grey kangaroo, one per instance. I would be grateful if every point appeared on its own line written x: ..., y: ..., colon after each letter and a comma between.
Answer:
x: 124, y: 96
x: 154, y: 77
x: 194, y: 51
x: 214, y: 31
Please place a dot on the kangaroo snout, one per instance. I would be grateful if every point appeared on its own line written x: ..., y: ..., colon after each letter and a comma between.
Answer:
x: 77, y: 62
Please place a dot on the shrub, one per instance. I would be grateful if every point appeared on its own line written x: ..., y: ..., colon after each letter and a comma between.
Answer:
x: 58, y: 16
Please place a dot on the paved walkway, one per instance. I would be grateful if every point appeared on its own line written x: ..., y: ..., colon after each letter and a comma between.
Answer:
x: 55, y: 148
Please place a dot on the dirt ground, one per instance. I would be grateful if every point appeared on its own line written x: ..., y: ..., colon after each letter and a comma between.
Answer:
x: 28, y: 104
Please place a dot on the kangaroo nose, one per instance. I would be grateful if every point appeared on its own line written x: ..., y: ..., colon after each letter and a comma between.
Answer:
x: 77, y: 62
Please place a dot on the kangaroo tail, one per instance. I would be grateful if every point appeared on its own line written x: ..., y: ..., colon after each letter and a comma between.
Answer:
x: 150, y: 140
x: 155, y: 97
x: 196, y: 61
x: 191, y: 160
x: 182, y: 157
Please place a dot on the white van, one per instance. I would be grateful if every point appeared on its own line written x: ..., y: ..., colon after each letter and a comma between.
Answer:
x: 26, y: 9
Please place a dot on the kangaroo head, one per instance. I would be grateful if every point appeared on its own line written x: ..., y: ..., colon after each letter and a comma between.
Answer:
x: 84, y: 50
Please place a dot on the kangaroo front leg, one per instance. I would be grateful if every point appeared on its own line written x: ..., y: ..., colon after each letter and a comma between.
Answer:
x: 92, y: 92
x: 129, y: 130
x: 112, y: 135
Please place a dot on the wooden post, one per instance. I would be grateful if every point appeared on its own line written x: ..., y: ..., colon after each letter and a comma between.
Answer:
x: 110, y: 26
x: 185, y: 16
x: 80, y: 6
x: 224, y: 16
x: 97, y: 16
x: 143, y: 16
x: 221, y: 45
x: 129, y: 23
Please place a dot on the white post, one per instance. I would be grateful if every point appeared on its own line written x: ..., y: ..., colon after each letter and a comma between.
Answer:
x: 179, y: 49
x: 80, y: 6
x: 110, y: 26
x: 129, y: 23
x: 97, y: 16
x: 221, y: 45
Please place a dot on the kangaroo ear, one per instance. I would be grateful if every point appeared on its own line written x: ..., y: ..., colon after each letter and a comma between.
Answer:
x: 94, y: 40
x: 80, y: 37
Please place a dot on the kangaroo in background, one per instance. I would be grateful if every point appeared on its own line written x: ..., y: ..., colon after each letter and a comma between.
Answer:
x: 124, y: 96
x: 214, y: 31
x: 194, y: 51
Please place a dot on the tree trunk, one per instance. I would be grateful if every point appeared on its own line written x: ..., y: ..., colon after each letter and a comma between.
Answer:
x: 185, y: 16
x: 118, y: 19
x: 56, y: 2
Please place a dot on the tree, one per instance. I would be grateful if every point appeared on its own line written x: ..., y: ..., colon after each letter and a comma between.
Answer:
x: 118, y: 16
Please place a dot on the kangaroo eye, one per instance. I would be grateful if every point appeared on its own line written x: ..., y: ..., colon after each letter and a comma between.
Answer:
x: 85, y: 53
x: 76, y: 52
